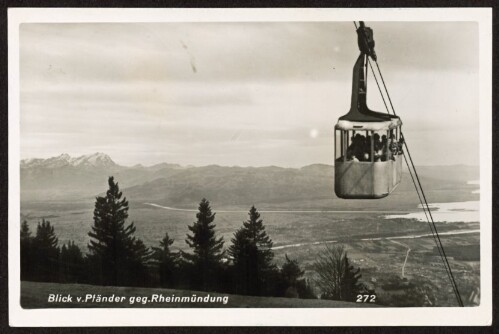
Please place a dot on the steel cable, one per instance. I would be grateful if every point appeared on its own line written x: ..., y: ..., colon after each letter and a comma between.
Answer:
x: 419, y: 187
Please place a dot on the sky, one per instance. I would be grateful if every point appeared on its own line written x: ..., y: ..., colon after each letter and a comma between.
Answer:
x: 245, y: 94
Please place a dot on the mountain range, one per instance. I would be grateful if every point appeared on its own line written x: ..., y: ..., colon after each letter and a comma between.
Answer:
x: 84, y: 177
x: 95, y: 160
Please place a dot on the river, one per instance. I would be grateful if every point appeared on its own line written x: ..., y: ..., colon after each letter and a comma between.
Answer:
x: 392, y: 238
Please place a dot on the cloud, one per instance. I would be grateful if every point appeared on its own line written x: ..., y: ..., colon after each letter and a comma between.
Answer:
x: 234, y: 93
x: 233, y: 51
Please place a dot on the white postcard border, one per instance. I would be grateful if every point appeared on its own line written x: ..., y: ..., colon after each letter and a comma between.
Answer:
x: 444, y: 316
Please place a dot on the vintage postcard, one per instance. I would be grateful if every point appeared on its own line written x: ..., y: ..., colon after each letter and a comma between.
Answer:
x: 230, y: 167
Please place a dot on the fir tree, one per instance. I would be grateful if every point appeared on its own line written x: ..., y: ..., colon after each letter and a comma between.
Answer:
x: 351, y: 286
x: 71, y: 263
x: 166, y: 262
x: 242, y: 254
x: 294, y: 283
x: 252, y: 255
x: 45, y: 253
x: 290, y: 274
x: 291, y: 271
x: 207, y: 249
x: 26, y: 252
x: 25, y: 232
x: 117, y: 256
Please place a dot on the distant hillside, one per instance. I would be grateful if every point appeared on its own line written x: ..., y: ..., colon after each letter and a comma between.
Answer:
x: 66, y: 178
x: 71, y: 178
x: 237, y: 185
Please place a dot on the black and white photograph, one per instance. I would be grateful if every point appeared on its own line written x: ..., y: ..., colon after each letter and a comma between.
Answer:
x: 260, y: 162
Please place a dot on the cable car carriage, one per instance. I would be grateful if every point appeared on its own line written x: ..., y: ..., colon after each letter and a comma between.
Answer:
x: 368, y: 148
x: 368, y: 144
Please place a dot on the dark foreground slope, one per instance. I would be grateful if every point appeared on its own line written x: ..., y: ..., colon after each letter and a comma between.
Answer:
x: 35, y: 295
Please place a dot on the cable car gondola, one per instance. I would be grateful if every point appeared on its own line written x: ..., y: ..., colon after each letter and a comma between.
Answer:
x: 368, y: 144
x: 367, y: 165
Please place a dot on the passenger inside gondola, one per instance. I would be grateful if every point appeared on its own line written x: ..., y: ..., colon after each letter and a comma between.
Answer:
x: 366, y: 155
x: 400, y: 145
x: 378, y: 148
x: 382, y: 148
x: 356, y: 150
x: 394, y: 146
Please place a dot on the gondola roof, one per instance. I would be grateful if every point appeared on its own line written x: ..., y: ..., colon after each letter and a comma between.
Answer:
x: 368, y: 126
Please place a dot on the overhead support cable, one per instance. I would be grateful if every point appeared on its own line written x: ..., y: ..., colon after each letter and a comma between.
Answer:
x: 417, y: 182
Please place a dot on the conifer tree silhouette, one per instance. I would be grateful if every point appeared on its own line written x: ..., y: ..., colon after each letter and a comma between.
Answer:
x: 118, y: 257
x: 207, y: 248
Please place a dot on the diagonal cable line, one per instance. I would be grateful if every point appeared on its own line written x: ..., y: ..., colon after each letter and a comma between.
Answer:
x: 458, y: 296
x: 419, y: 188
x: 424, y: 204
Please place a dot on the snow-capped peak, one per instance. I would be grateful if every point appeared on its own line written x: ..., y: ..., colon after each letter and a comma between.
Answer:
x: 97, y: 160
x: 90, y: 160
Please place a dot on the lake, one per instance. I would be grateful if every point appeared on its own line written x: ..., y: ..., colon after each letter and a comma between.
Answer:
x: 446, y: 212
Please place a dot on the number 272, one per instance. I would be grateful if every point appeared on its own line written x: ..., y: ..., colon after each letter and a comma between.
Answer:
x: 366, y: 299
